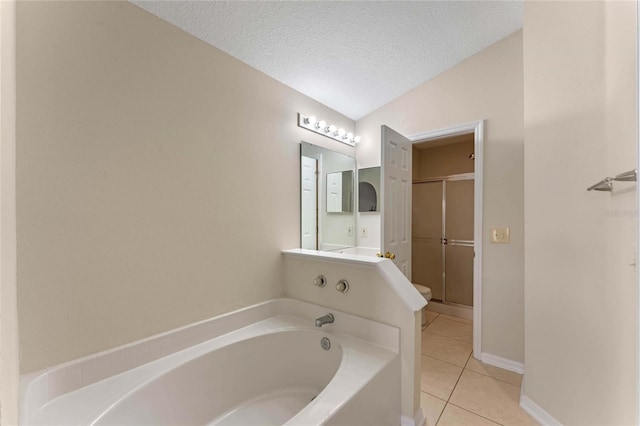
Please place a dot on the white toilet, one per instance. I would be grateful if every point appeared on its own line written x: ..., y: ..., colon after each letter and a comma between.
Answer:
x: 426, y: 293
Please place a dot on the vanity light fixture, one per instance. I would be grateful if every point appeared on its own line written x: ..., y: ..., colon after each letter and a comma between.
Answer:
x: 310, y: 122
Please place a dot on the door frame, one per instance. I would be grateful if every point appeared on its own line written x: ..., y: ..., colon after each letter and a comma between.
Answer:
x: 319, y: 195
x: 477, y: 128
x: 637, y: 252
x: 315, y: 202
x: 9, y: 353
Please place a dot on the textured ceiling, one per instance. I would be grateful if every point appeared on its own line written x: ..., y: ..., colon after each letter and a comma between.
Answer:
x: 353, y: 56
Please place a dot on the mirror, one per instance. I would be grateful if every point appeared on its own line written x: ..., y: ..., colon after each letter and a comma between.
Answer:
x: 340, y: 192
x: 327, y: 202
x: 369, y: 189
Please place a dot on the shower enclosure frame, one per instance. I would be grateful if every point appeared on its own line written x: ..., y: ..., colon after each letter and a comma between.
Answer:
x: 477, y: 128
x: 444, y: 241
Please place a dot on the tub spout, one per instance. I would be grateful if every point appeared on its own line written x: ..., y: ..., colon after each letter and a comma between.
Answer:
x: 326, y: 319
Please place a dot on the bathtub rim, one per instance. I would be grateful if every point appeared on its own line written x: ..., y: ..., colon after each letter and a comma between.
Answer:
x: 39, y: 388
x: 356, y: 356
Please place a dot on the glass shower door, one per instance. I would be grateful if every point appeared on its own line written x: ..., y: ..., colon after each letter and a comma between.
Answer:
x: 427, y: 249
x: 458, y: 242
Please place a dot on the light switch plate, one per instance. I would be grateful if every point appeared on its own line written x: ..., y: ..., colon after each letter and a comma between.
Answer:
x: 364, y: 232
x: 500, y: 235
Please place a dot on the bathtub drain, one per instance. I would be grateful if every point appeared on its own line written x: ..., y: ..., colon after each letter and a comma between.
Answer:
x: 325, y: 343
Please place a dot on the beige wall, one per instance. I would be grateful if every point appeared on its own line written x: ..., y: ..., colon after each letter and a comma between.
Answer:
x: 8, y: 308
x: 580, y: 121
x: 158, y: 178
x: 487, y: 86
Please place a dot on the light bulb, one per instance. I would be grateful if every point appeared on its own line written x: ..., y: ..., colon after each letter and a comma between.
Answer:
x: 311, y: 120
x: 357, y: 139
x: 332, y: 129
x: 350, y: 137
x: 321, y: 125
x: 341, y: 133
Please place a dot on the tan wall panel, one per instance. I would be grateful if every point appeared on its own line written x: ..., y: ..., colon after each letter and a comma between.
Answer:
x: 158, y: 178
x: 445, y: 160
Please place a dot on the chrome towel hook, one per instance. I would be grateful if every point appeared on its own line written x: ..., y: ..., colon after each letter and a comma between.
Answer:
x: 606, y: 184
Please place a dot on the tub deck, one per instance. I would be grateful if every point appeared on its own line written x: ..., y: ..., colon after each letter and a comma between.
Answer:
x: 363, y: 360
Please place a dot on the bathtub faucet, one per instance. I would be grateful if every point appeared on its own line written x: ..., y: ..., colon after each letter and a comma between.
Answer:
x: 326, y: 319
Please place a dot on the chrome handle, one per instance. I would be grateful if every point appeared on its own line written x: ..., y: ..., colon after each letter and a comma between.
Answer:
x: 320, y: 281
x: 342, y: 286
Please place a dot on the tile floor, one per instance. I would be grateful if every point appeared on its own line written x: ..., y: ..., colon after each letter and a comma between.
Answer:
x: 459, y: 390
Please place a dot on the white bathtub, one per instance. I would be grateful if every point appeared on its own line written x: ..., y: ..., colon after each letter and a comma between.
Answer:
x: 270, y: 369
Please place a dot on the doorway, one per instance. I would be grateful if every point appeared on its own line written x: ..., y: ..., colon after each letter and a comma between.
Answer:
x: 442, y: 221
x: 475, y: 128
x: 396, y: 199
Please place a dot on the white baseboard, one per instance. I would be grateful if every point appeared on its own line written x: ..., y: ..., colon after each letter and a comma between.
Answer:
x: 498, y: 361
x: 537, y: 412
x: 418, y: 419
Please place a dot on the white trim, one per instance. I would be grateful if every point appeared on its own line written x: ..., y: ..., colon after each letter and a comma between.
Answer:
x: 477, y: 127
x: 9, y: 352
x: 319, y: 188
x: 537, y: 412
x: 504, y: 363
x: 637, y: 260
x: 418, y: 419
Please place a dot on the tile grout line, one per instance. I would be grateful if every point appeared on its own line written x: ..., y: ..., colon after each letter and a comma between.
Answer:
x: 494, y: 378
x: 452, y: 391
x: 446, y: 362
x: 475, y: 414
x: 444, y: 335
x: 443, y: 407
x: 457, y: 322
x: 457, y: 381
x: 457, y: 319
x: 465, y: 367
x: 466, y: 340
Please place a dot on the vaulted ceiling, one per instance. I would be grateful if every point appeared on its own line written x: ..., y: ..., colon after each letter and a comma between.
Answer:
x: 353, y: 56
